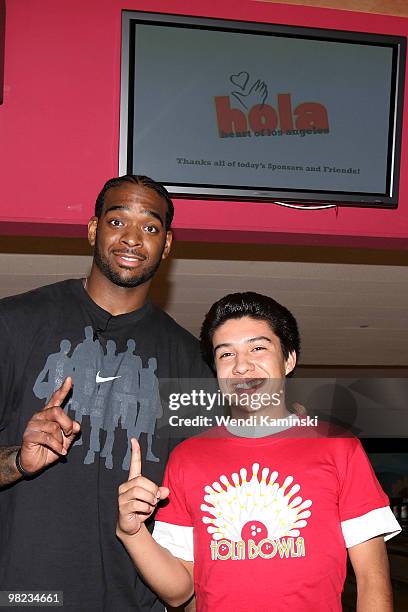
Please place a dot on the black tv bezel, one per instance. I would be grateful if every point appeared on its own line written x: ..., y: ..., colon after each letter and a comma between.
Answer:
x: 252, y: 193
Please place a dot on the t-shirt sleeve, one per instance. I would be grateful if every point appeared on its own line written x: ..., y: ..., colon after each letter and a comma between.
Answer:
x: 174, y: 527
x: 363, y: 505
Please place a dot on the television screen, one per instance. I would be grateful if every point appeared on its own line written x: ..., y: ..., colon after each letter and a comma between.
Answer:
x: 226, y: 109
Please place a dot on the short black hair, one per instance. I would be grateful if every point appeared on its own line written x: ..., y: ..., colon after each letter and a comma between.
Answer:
x: 143, y: 181
x: 254, y: 305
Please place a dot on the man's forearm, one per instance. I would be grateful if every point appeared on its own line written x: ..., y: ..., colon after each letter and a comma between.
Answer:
x: 370, y: 564
x: 8, y: 470
x: 165, y: 574
x: 375, y: 595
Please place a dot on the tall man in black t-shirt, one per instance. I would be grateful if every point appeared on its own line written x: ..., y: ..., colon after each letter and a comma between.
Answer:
x: 60, y: 465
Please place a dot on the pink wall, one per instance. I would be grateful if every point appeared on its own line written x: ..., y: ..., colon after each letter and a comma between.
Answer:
x: 59, y: 126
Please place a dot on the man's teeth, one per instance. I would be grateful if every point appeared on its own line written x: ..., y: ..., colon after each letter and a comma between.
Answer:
x: 129, y: 258
x: 247, y: 385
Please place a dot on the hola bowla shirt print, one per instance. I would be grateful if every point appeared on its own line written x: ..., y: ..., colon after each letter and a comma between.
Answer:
x: 255, y: 514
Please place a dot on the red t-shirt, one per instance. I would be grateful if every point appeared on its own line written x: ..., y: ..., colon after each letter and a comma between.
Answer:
x: 266, y: 515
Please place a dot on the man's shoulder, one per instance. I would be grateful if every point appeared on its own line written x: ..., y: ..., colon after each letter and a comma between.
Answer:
x: 172, y: 327
x: 37, y: 299
x: 183, y: 347
x: 339, y: 444
x: 194, y: 446
x: 320, y: 428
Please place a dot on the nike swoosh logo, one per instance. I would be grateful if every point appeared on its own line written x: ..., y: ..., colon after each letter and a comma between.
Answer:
x: 99, y: 379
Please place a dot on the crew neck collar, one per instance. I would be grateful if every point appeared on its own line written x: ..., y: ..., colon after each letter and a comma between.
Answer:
x: 254, y: 432
x: 114, y: 320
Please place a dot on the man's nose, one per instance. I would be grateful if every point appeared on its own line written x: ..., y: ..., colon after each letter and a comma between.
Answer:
x: 132, y: 236
x: 242, y: 364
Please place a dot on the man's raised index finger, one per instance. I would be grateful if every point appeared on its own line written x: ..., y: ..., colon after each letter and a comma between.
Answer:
x: 60, y: 394
x: 135, y: 460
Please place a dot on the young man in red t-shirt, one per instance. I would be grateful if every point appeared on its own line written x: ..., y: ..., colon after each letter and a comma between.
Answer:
x: 259, y: 517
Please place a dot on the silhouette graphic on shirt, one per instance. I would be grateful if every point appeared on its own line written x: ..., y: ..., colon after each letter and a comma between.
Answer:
x: 84, y: 356
x: 57, y: 367
x: 112, y: 389
x: 125, y: 394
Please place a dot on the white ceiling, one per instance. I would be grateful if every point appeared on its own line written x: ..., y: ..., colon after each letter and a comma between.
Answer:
x: 349, y: 314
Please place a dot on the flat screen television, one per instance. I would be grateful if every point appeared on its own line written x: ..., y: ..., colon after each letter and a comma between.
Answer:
x: 237, y: 110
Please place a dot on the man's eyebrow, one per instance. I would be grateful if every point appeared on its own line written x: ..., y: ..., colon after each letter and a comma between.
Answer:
x: 153, y: 213
x: 257, y: 338
x: 247, y: 341
x: 145, y: 211
x: 116, y: 207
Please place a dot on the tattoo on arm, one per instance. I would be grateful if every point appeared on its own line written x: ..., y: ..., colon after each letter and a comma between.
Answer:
x: 8, y: 470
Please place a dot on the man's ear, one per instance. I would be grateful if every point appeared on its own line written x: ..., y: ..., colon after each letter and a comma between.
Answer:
x: 92, y: 225
x: 290, y: 363
x: 168, y: 243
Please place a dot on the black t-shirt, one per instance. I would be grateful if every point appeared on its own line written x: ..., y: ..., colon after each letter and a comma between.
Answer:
x: 57, y: 530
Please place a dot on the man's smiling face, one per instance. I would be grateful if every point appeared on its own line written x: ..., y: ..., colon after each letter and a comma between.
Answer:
x: 249, y: 360
x: 130, y: 238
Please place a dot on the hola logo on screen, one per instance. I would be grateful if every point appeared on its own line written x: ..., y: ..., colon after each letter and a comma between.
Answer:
x: 262, y: 119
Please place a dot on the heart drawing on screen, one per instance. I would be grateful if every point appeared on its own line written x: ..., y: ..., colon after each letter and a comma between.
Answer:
x: 240, y: 80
